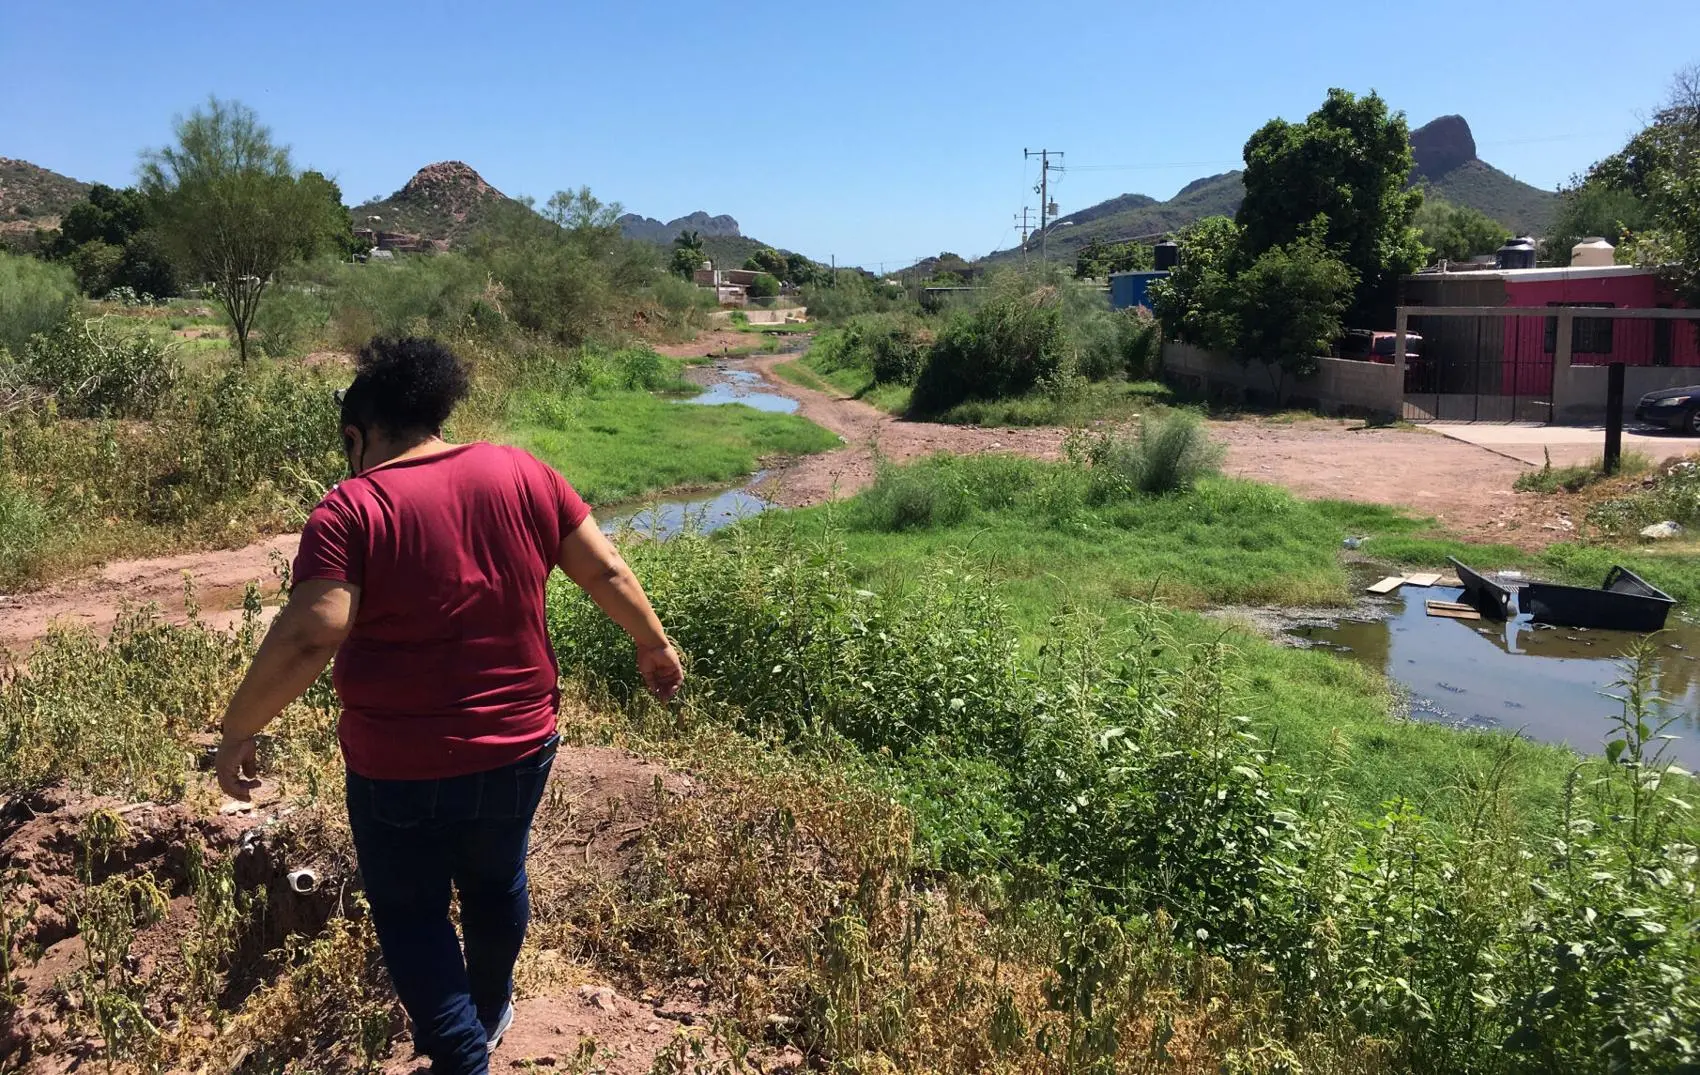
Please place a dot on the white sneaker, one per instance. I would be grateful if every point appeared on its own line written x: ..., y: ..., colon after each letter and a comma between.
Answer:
x: 503, y: 1022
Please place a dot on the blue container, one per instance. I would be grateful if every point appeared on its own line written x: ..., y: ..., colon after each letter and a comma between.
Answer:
x: 1130, y: 289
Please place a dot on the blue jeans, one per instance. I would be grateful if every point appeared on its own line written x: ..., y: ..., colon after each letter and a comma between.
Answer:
x: 416, y: 837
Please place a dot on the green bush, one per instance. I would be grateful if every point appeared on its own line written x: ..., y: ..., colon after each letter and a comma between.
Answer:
x: 1120, y: 770
x: 1008, y: 346
x: 290, y: 321
x: 26, y: 527
x: 1674, y: 496
x: 34, y: 296
x: 1169, y: 454
x: 96, y: 370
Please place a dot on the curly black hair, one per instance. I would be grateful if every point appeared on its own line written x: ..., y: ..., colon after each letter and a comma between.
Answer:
x: 404, y: 386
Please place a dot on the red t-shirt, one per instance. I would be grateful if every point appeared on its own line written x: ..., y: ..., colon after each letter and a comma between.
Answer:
x: 448, y: 669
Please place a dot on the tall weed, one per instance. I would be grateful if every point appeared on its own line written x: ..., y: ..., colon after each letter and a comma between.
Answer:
x: 34, y: 297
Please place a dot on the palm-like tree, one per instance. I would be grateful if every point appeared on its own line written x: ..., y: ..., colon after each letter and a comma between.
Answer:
x: 689, y: 240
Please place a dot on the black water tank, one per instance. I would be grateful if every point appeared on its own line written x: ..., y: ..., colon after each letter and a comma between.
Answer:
x: 1165, y: 255
x: 1516, y: 254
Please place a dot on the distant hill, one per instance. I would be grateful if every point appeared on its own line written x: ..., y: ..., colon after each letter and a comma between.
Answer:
x: 1445, y: 152
x: 446, y: 204
x: 1130, y: 216
x: 443, y: 204
x: 1446, y: 162
x: 33, y: 194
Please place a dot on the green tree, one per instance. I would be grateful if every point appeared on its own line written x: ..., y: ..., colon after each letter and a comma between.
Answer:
x: 1588, y: 208
x: 1348, y: 162
x: 1457, y: 232
x: 109, y: 242
x: 765, y: 286
x: 1661, y: 167
x: 1194, y: 301
x: 333, y: 223
x: 684, y: 262
x: 689, y: 240
x: 230, y: 206
x: 769, y: 260
x: 1288, y: 305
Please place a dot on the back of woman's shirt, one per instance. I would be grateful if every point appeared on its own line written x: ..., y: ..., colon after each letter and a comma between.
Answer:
x: 448, y: 669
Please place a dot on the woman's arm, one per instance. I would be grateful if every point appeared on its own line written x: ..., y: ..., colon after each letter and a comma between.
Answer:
x: 592, y: 561
x: 302, y: 640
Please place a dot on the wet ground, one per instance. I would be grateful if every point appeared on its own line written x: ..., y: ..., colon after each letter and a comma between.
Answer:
x: 703, y: 512
x: 1547, y: 683
x: 727, y: 385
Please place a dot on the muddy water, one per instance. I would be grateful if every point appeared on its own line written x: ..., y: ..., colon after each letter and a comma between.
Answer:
x: 741, y: 386
x: 704, y: 512
x: 1547, y: 683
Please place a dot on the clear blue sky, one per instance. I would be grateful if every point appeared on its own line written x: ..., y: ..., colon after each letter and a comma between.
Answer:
x: 874, y: 131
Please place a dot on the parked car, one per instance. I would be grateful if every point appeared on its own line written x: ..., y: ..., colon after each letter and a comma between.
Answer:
x: 1674, y: 408
x: 1366, y: 345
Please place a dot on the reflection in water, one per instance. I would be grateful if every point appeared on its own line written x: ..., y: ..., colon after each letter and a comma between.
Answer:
x: 704, y: 514
x: 1545, y: 682
x: 741, y: 386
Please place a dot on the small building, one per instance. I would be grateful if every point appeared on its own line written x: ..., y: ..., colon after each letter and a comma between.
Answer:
x: 1132, y: 290
x: 1495, y: 367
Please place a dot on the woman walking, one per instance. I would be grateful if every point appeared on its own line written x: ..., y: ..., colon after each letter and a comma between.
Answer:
x: 423, y: 575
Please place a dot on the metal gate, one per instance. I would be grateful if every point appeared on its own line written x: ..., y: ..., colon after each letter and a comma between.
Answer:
x: 1479, y: 369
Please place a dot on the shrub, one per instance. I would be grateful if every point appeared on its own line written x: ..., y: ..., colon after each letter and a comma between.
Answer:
x: 34, y: 296
x: 26, y: 526
x: 914, y: 498
x: 1674, y: 495
x: 1006, y: 347
x: 290, y: 321
x: 96, y: 370
x: 1169, y: 454
x: 764, y: 287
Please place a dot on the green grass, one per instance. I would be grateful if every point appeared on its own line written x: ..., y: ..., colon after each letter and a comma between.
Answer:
x: 623, y: 445
x: 1097, y: 400
x: 1227, y: 542
x: 1574, y: 479
x: 890, y: 398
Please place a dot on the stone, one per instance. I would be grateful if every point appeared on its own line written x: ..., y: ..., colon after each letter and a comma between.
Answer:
x: 1662, y: 531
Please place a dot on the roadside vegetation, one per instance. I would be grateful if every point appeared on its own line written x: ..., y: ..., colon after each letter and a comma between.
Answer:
x: 1026, y: 349
x: 131, y: 424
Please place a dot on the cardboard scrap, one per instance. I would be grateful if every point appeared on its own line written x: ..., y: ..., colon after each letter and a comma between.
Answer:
x: 1450, y: 580
x: 1452, y: 610
x: 1422, y: 579
x: 1388, y: 584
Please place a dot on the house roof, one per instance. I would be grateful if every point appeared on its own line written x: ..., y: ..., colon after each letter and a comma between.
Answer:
x: 1597, y: 272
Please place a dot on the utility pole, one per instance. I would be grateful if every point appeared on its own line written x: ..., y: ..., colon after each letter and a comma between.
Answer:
x: 1044, y: 191
x: 1023, y: 225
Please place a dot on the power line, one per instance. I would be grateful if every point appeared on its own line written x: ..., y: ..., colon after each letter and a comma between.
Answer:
x: 1044, y: 191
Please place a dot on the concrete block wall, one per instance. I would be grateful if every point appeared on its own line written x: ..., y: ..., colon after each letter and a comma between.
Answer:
x: 1338, y: 386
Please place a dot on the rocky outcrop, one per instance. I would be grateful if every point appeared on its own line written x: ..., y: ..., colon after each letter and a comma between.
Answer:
x: 1441, y: 146
x: 648, y: 229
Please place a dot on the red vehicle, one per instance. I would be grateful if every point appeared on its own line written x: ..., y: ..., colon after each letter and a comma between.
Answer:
x: 1365, y: 345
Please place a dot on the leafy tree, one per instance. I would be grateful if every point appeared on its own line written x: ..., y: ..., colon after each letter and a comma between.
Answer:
x: 1348, y: 163
x: 689, y: 240
x: 108, y: 241
x: 1457, y: 232
x: 1289, y: 303
x: 765, y: 286
x: 333, y: 231
x: 230, y: 206
x: 684, y: 262
x: 1589, y: 208
x: 769, y: 260
x: 1661, y: 167
x: 1194, y: 301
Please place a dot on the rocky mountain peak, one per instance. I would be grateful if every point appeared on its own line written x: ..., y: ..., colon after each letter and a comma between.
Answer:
x: 1442, y: 145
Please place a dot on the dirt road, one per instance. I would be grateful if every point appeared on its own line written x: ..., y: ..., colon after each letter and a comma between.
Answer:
x: 1465, y: 488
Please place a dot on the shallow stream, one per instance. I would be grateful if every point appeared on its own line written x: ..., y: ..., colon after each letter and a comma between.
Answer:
x: 1548, y: 683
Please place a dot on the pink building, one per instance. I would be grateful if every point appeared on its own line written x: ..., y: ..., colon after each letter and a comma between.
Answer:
x: 1511, y: 360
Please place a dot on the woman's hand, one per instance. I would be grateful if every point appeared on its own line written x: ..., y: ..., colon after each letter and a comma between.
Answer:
x: 238, y: 768
x: 662, y: 673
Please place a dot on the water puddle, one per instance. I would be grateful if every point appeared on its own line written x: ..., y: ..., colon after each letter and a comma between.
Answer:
x: 704, y: 513
x: 1544, y: 682
x: 740, y: 386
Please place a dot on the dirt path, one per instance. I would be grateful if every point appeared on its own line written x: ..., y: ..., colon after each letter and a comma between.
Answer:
x: 1467, y: 489
x: 869, y: 432
x: 219, y: 577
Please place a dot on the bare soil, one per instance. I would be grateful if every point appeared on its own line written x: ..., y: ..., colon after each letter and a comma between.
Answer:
x: 599, y: 805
